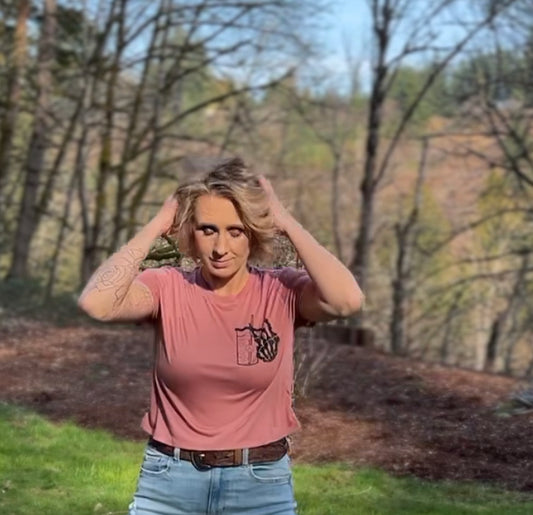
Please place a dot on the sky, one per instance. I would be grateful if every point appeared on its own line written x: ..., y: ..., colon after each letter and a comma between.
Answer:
x: 350, y: 28
x: 350, y: 20
x: 348, y: 35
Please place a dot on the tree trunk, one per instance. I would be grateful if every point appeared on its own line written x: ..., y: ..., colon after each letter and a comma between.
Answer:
x: 498, y: 325
x: 360, y: 262
x: 403, y: 267
x: 335, y: 200
x: 85, y: 270
x: 93, y: 246
x: 446, y: 344
x: 60, y: 237
x: 386, y: 15
x: 492, y: 345
x: 50, y: 182
x: 29, y: 216
x: 93, y: 72
x: 162, y: 25
x: 9, y: 121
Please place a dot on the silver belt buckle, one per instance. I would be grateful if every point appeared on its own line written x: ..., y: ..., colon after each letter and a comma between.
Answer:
x: 197, y: 460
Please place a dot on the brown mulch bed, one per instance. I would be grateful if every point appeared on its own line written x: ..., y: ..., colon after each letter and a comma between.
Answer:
x: 367, y: 408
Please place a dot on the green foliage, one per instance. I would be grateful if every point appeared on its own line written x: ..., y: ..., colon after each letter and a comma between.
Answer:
x: 517, y: 147
x: 71, y: 27
x: 163, y: 252
x: 434, y: 225
x: 528, y: 70
x: 183, y: 79
x: 431, y: 228
x: 306, y: 124
x: 497, y: 76
x: 405, y: 90
x: 433, y: 264
x: 427, y: 268
x: 506, y: 231
x: 502, y: 242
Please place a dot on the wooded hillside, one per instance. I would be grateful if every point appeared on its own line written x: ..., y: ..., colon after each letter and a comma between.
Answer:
x: 419, y: 179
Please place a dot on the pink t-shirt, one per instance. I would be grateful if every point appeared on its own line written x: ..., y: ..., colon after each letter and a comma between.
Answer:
x: 223, y: 372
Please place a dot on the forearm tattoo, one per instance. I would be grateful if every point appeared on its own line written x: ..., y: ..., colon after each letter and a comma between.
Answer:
x: 117, y: 273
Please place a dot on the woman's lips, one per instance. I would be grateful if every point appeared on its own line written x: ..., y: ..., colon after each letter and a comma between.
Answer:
x: 220, y: 264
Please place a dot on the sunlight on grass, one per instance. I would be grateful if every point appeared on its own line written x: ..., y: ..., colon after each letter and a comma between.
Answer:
x: 62, y: 469
x: 337, y: 489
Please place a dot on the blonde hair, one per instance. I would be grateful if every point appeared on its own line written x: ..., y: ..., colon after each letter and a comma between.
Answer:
x: 233, y: 180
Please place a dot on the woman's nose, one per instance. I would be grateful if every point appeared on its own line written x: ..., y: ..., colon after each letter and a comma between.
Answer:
x: 220, y: 247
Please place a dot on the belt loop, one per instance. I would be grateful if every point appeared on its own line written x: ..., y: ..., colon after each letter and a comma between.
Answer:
x: 245, y: 454
x: 177, y: 454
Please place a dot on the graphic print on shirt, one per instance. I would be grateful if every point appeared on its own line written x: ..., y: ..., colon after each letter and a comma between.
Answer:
x: 256, y: 343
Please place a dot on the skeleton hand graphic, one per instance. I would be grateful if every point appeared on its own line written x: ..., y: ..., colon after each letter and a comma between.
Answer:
x: 267, y: 342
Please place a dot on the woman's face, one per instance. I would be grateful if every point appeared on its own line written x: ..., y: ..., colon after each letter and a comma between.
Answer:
x: 220, y: 239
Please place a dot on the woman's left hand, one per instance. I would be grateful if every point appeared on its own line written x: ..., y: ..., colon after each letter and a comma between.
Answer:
x: 279, y: 211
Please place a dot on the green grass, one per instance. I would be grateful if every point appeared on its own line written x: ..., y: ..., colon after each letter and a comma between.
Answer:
x: 49, y: 469
x: 342, y: 490
x: 62, y: 469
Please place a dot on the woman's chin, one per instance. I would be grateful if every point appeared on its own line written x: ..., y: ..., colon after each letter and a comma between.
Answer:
x: 221, y: 271
x: 224, y: 271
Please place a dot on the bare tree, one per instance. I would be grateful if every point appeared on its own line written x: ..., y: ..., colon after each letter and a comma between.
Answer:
x: 492, y: 87
x: 329, y: 119
x: 28, y: 216
x: 144, y: 121
x: 13, y: 93
x: 117, y: 11
x: 404, y: 232
x: 388, y: 18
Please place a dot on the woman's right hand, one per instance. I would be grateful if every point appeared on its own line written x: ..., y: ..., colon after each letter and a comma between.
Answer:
x: 112, y: 292
x: 166, y: 216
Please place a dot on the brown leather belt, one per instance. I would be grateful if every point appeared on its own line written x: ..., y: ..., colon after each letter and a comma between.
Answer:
x: 204, y: 460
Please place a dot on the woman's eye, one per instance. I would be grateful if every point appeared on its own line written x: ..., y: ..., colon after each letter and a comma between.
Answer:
x: 235, y: 232
x: 207, y: 231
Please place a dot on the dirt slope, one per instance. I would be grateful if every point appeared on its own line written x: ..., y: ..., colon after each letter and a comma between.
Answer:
x: 368, y: 408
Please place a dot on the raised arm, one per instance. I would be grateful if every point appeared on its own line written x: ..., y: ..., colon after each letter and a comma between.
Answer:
x: 112, y: 292
x: 333, y: 291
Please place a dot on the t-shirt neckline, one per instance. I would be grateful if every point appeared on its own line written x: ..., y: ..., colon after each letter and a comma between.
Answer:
x: 208, y: 292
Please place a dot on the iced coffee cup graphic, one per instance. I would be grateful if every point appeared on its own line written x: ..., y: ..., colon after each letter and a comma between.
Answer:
x: 246, y: 346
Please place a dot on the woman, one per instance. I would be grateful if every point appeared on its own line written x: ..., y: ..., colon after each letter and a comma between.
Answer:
x: 221, y: 391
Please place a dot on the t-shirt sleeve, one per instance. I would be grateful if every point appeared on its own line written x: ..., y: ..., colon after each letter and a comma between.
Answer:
x: 295, y: 280
x: 154, y: 279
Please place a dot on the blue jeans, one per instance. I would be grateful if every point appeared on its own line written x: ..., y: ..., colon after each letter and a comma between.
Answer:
x: 170, y: 486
